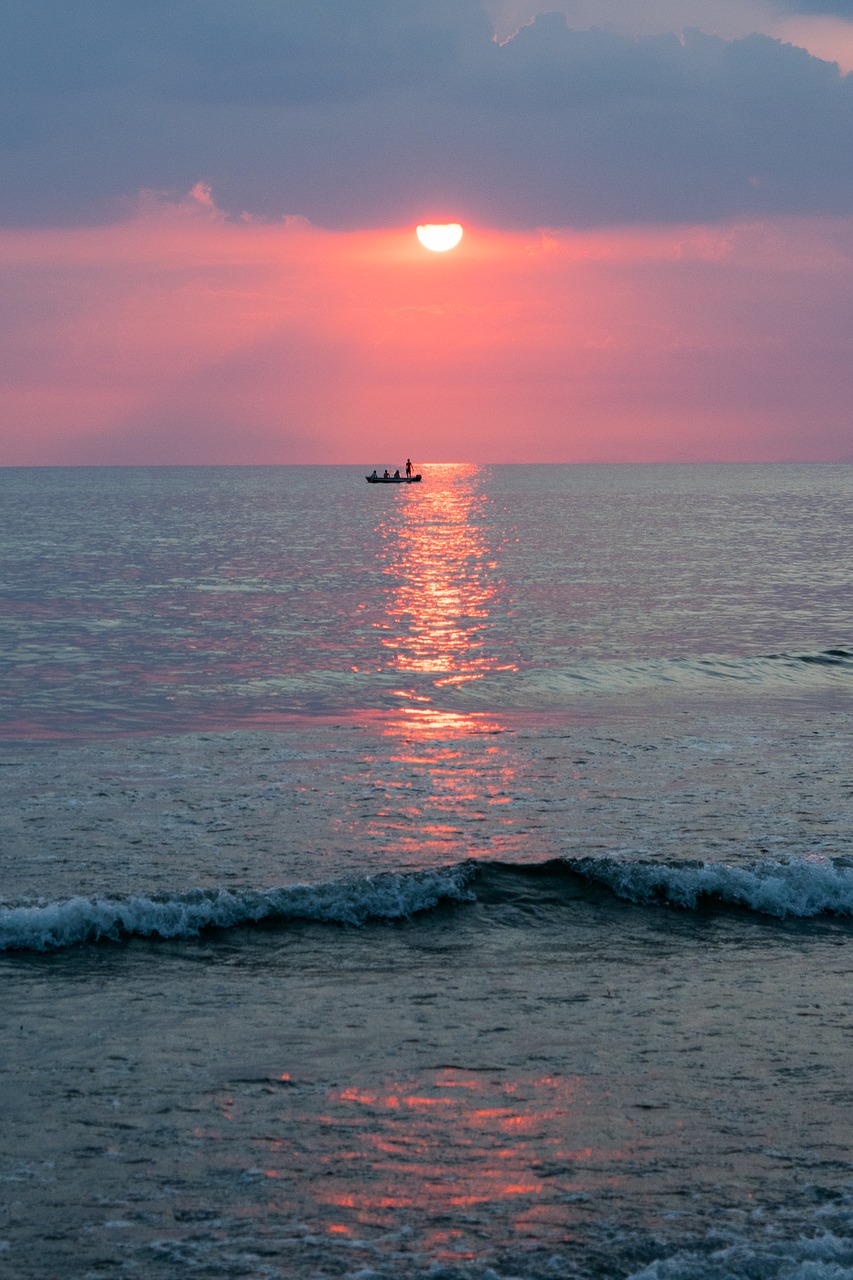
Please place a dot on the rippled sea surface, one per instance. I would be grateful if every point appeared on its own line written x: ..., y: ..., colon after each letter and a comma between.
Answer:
x: 444, y: 880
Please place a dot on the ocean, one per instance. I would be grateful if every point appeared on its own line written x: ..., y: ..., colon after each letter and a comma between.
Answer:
x: 446, y: 881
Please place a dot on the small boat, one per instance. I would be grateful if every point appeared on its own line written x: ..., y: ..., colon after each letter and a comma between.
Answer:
x: 376, y: 479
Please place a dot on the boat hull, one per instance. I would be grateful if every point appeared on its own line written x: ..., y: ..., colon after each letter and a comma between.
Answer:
x: 393, y: 479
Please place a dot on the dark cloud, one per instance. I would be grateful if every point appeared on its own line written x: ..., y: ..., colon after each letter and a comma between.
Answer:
x: 377, y: 111
x: 230, y: 51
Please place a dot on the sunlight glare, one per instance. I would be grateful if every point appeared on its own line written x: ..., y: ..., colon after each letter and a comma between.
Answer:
x: 439, y: 237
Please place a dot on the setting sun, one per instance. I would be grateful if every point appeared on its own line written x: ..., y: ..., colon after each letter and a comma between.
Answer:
x: 439, y: 237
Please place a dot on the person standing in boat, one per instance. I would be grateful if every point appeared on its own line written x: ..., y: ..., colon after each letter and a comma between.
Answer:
x: 408, y: 468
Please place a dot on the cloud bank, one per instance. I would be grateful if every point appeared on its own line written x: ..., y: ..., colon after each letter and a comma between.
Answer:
x: 382, y: 112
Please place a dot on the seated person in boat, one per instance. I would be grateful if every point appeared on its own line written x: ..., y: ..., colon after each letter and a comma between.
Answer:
x: 397, y: 474
x: 374, y: 476
x: 387, y: 475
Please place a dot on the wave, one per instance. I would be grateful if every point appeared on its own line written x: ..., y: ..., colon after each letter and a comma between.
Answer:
x: 271, y: 701
x: 782, y: 673
x: 799, y: 888
x: 47, y: 926
x: 802, y: 888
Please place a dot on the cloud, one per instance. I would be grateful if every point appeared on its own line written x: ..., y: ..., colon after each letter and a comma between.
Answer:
x: 822, y: 27
x: 382, y: 112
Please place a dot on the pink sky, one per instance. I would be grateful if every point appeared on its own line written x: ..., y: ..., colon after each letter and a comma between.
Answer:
x: 658, y: 211
x: 179, y: 336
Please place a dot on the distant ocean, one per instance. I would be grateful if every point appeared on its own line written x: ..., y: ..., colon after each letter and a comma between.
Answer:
x: 446, y: 881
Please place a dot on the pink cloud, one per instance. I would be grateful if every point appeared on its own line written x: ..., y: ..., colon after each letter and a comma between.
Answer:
x: 181, y: 336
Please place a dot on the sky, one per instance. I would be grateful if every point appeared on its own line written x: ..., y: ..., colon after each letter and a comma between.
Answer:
x: 208, y: 212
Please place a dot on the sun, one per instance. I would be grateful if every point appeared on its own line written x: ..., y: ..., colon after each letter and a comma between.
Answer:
x: 439, y: 236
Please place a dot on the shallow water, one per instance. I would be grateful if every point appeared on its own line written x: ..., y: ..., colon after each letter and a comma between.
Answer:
x: 453, y: 881
x: 533, y: 1076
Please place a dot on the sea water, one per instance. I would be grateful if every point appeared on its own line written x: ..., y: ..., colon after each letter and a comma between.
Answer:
x: 444, y: 880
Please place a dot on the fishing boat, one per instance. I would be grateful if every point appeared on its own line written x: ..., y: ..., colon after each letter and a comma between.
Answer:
x: 377, y: 479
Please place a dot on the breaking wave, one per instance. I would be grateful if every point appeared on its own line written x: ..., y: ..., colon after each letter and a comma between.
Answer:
x: 799, y: 888
x: 47, y: 926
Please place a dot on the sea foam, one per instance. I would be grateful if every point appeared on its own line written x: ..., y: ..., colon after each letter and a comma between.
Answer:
x: 47, y: 926
x: 821, y: 1257
x: 800, y: 888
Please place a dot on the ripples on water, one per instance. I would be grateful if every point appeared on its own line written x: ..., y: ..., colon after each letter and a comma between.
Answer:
x: 140, y: 599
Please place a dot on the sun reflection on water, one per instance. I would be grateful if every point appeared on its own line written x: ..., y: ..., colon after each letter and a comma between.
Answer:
x: 453, y: 1142
x: 448, y: 768
x: 445, y: 582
